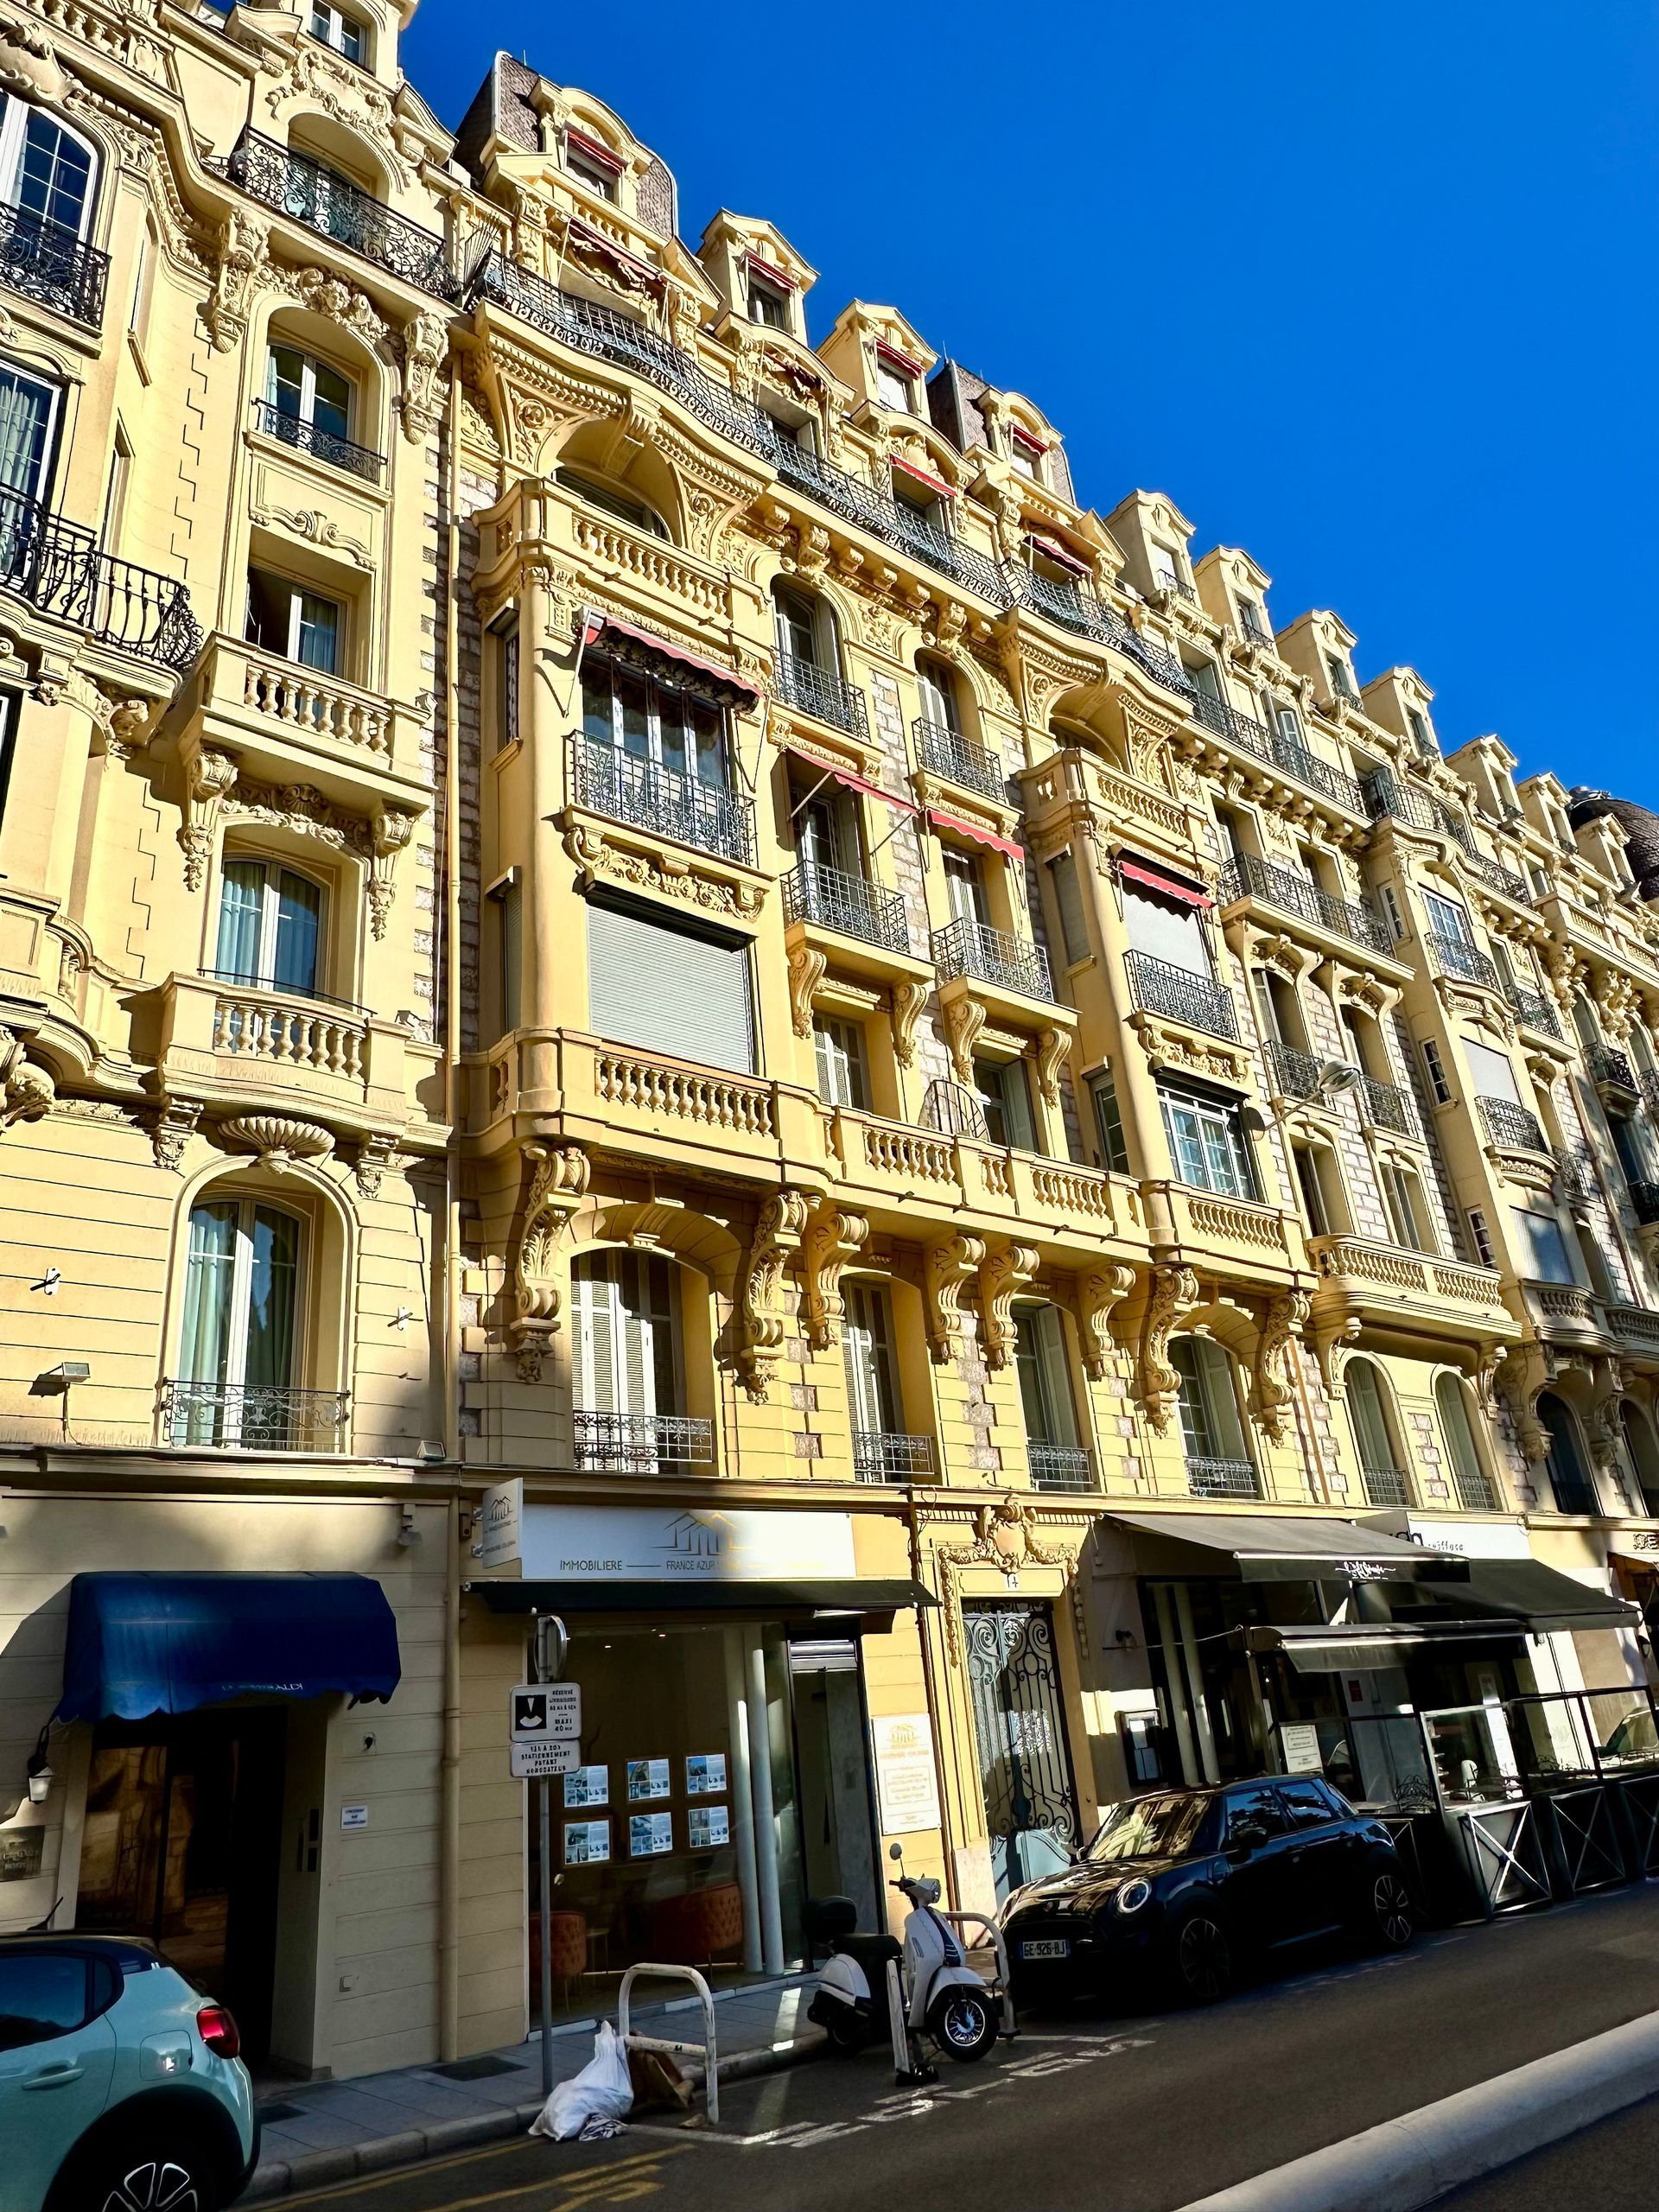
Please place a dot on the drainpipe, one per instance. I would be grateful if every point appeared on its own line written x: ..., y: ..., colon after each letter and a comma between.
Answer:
x: 449, y: 1772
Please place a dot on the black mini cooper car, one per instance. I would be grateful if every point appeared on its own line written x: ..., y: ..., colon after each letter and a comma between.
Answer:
x: 1180, y: 1887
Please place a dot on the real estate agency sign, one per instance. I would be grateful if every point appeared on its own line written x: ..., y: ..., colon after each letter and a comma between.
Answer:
x: 630, y: 1543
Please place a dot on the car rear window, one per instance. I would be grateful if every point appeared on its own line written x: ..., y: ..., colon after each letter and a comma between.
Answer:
x: 43, y: 1993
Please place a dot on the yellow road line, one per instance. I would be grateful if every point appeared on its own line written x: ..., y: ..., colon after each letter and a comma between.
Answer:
x: 621, y: 2168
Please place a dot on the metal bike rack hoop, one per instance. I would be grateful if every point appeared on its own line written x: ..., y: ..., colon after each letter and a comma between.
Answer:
x: 665, y: 2046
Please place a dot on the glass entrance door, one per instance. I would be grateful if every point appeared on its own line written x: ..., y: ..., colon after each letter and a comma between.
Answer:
x: 1025, y: 1763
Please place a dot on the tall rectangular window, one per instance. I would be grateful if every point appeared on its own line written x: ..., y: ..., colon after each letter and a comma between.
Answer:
x: 506, y: 683
x: 1109, y: 1120
x: 668, y: 990
x: 1438, y: 1083
x: 1206, y: 1143
x: 509, y: 899
x: 1543, y: 1247
x: 839, y: 1049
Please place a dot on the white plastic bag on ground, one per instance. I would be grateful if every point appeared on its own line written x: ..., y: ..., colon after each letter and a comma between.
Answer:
x: 602, y: 2091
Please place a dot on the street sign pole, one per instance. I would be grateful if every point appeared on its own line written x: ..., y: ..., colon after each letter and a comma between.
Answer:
x: 551, y: 1643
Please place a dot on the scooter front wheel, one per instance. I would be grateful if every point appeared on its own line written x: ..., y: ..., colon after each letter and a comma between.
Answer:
x: 847, y: 2033
x: 963, y: 2022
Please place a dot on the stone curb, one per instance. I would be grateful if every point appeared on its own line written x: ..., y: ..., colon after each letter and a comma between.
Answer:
x: 1409, y: 2162
x: 320, y: 2168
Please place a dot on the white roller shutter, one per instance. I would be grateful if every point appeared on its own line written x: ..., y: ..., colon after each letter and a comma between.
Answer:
x: 667, y: 990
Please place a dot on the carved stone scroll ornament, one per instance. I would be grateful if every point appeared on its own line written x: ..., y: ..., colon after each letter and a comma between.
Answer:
x: 26, y: 1090
x: 1520, y: 1378
x: 778, y: 1234
x: 946, y: 1267
x: 908, y: 1000
x: 1005, y: 1536
x: 393, y: 827
x: 425, y: 342
x: 1172, y: 1288
x: 29, y: 65
x: 1274, y: 1387
x: 806, y: 968
x: 1052, y: 1046
x: 1098, y: 1293
x: 557, y: 1187
x: 209, y: 777
x: 1001, y: 1275
x: 834, y: 1236
x: 241, y: 251
x: 964, y: 1019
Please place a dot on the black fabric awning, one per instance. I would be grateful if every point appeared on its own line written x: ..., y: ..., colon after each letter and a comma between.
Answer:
x: 1269, y: 1548
x: 1365, y: 1647
x: 769, y: 1600
x: 1526, y: 1589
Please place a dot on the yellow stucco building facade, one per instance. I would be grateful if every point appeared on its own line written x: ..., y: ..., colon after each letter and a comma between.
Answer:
x: 645, y: 972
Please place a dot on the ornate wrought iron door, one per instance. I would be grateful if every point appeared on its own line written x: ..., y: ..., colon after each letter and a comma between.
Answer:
x: 1025, y: 1763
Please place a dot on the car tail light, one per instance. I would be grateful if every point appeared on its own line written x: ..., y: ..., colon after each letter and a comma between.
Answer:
x: 218, y: 2031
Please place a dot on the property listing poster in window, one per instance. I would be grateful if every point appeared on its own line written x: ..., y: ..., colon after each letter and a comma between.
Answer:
x: 587, y: 1785
x: 710, y: 1827
x: 705, y: 1775
x: 587, y: 1843
x: 650, y: 1778
x: 650, y: 1834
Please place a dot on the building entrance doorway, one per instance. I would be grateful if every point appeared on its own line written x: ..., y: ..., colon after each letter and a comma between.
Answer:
x: 181, y: 1842
x: 1024, y: 1762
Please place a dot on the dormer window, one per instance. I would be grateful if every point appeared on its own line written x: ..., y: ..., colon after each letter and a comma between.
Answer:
x: 895, y: 380
x: 1026, y: 455
x: 1253, y: 622
x: 770, y: 293
x: 1167, y: 568
x: 593, y: 164
x: 336, y: 29
x: 1342, y: 684
x: 1421, y: 736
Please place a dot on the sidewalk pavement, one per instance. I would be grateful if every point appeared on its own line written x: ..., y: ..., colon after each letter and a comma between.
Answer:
x: 315, y: 2133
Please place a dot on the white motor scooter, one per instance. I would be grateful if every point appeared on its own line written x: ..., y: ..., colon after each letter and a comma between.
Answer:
x: 871, y: 1985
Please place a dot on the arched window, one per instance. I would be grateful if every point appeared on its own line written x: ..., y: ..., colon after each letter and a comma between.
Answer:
x: 1469, y: 1480
x: 270, y: 927
x: 1218, y: 1462
x: 1643, y: 1453
x: 239, y: 1349
x: 315, y: 407
x: 626, y: 1364
x: 611, y: 501
x: 47, y: 170
x: 1379, y: 1458
x: 1057, y: 1457
x: 809, y: 661
x: 1569, y: 1477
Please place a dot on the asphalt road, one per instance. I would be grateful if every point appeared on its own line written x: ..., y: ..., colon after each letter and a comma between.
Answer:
x: 1100, y: 2113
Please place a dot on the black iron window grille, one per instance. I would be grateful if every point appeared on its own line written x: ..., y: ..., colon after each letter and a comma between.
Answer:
x: 640, y: 1443
x: 307, y: 193
x: 822, y: 693
x: 1221, y: 1478
x: 321, y: 445
x: 882, y: 1456
x: 1385, y: 1106
x: 1608, y: 1065
x: 1158, y: 987
x: 1455, y: 955
x: 1385, y: 1486
x: 1532, y: 1007
x: 1294, y: 1074
x: 61, y: 569
x: 647, y: 796
x: 976, y: 951
x: 1061, y: 1467
x: 1644, y: 1199
x: 253, y: 1417
x: 47, y: 262
x: 835, y: 900
x: 945, y: 751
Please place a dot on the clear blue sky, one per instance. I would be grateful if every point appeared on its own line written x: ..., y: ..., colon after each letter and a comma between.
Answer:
x: 1369, y: 291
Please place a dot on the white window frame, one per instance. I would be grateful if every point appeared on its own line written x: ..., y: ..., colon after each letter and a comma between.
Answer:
x: 764, y: 293
x: 890, y: 379
x: 297, y: 595
x: 271, y: 908
x: 336, y: 22
x: 236, y: 1346
x: 1219, y: 1138
x: 701, y: 746
x: 1448, y: 921
x: 838, y: 1051
x: 309, y: 364
x: 42, y: 476
x: 13, y: 128
x: 593, y: 174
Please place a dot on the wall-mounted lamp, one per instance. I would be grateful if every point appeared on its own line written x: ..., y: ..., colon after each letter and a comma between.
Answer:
x: 57, y: 1381
x: 41, y: 1776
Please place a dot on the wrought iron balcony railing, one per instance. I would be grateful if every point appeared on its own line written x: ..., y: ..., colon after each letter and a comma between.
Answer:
x: 61, y: 569
x: 835, y: 900
x: 881, y: 1456
x: 649, y: 796
x: 640, y: 1443
x: 307, y: 192
x: 1247, y: 876
x: 822, y: 693
x: 47, y: 262
x: 1455, y: 955
x: 253, y: 1417
x: 945, y: 751
x: 1385, y: 1486
x: 1385, y: 1106
x: 1253, y: 634
x: 1650, y: 1093
x: 1178, y: 585
x: 1060, y: 1466
x: 1473, y: 1490
x: 1294, y: 1074
x: 894, y: 521
x: 1511, y: 1125
x: 1158, y: 987
x: 323, y: 445
x: 976, y: 950
x: 1493, y: 873
x: 1577, y: 1171
x: 1610, y: 1066
x: 1223, y: 1478
x: 1276, y: 748
x: 1385, y: 795
x: 1533, y: 1008
x: 1073, y: 608
x: 1644, y: 1199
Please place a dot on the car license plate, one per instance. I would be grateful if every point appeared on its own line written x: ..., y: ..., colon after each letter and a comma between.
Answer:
x: 1051, y: 1947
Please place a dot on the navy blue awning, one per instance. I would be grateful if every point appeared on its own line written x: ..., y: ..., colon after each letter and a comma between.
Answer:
x: 145, y: 1643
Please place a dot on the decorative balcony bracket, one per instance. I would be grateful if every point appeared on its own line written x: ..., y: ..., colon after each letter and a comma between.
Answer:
x: 806, y: 971
x: 909, y: 997
x: 558, y: 1184
x: 1000, y: 1274
x: 1052, y: 1046
x: 1173, y: 1288
x: 964, y: 1017
x: 208, y: 776
x: 1274, y: 1383
x: 26, y: 1090
x: 1098, y: 1294
x: 947, y: 1266
x: 172, y: 1130
x: 833, y: 1237
x: 280, y: 1140
x: 777, y: 1236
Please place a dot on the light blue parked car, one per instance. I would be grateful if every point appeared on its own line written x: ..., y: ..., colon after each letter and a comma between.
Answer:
x: 120, y: 2086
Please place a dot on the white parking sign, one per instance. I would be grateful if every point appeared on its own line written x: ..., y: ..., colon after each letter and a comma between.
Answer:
x: 537, y: 1712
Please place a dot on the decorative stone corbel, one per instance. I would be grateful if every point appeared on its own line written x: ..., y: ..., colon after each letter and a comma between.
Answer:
x: 1098, y: 1293
x: 425, y: 339
x: 806, y: 967
x: 279, y: 1139
x: 947, y: 1266
x: 208, y: 777
x: 964, y: 1019
x: 759, y: 1323
x: 27, y: 1090
x: 242, y: 248
x: 908, y: 1000
x: 833, y: 1237
x: 393, y: 827
x: 1052, y: 1046
x: 1002, y: 1274
x: 1172, y: 1287
x: 1519, y: 1389
x: 172, y: 1130
x: 374, y: 1156
x: 1273, y: 1386
x: 557, y: 1186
